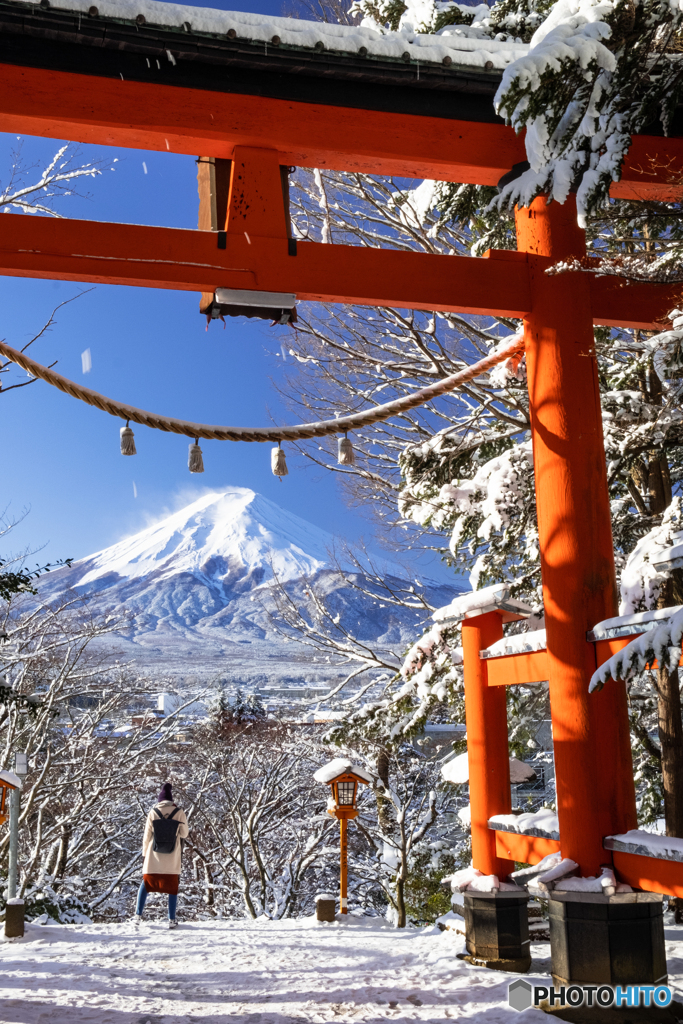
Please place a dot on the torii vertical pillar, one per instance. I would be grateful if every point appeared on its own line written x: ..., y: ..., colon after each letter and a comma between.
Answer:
x: 595, y: 788
x: 487, y: 743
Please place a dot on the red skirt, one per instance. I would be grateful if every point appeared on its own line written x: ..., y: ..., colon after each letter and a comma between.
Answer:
x: 162, y: 883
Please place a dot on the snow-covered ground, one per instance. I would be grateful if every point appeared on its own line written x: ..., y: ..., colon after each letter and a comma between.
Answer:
x: 239, y: 972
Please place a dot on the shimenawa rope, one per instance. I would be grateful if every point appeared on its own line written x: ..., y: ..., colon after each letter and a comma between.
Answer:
x: 300, y: 432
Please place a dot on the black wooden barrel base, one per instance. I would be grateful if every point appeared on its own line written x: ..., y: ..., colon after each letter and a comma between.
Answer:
x: 520, y: 966
x: 497, y: 930
x: 607, y: 940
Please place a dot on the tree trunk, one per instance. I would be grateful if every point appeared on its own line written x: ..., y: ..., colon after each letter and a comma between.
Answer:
x: 384, y: 806
x: 658, y: 484
x: 62, y: 857
x: 208, y: 882
x: 670, y: 735
x: 400, y: 903
x: 671, y: 745
x: 246, y: 889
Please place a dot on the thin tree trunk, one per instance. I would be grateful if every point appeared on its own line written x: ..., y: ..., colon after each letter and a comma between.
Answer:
x: 62, y: 856
x: 670, y: 735
x: 208, y: 876
x: 384, y: 806
x: 208, y: 882
x: 671, y: 745
x: 400, y: 903
x: 658, y: 485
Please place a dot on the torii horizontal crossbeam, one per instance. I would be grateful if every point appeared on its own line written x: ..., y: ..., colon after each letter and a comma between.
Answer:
x: 139, y: 115
x: 153, y: 257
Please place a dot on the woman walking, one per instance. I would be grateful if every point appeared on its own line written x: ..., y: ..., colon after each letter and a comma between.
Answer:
x: 165, y: 827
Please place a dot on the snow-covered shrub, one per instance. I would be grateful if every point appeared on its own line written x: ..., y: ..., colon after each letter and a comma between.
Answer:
x: 62, y: 904
x: 426, y: 897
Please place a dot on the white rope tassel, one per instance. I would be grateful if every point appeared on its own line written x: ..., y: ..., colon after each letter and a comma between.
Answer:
x: 195, y: 462
x: 278, y: 462
x: 345, y: 453
x: 127, y: 441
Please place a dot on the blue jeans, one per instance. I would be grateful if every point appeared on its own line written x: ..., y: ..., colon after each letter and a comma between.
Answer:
x: 142, y: 899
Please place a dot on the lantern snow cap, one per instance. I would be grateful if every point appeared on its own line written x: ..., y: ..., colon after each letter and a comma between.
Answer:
x: 339, y: 766
x: 343, y: 777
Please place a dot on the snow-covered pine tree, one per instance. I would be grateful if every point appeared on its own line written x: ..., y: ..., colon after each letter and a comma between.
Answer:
x: 595, y: 75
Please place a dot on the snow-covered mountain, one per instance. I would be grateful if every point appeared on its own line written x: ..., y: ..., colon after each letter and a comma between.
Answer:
x: 195, y: 590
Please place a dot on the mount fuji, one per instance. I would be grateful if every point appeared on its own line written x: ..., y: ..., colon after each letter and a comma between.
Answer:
x: 195, y: 588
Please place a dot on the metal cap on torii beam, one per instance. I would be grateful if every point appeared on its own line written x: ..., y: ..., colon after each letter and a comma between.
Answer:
x: 495, y: 598
x: 280, y: 307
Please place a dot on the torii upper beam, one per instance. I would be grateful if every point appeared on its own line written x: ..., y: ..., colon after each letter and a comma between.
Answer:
x: 118, y: 83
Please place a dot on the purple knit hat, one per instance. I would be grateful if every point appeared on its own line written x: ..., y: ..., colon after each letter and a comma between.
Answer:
x: 166, y: 793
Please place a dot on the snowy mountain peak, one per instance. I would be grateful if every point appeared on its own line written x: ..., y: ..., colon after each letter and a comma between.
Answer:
x: 194, y: 593
x: 216, y: 535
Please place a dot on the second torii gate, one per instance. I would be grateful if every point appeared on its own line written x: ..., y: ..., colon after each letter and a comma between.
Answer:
x: 118, y: 81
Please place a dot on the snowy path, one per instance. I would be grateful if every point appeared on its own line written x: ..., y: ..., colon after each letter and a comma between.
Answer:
x: 238, y: 972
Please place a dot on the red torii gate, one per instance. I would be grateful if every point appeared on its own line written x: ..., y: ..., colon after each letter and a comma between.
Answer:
x: 88, y: 82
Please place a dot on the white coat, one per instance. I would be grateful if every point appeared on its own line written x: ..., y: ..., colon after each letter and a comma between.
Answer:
x: 163, y: 863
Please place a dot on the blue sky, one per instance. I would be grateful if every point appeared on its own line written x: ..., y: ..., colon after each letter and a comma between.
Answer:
x: 149, y: 348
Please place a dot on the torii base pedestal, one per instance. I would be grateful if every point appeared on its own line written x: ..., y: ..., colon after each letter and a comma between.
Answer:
x: 607, y: 940
x: 497, y: 930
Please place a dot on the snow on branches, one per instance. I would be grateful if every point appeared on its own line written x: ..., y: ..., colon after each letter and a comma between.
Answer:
x: 512, y: 21
x: 643, y: 428
x: 667, y: 347
x: 491, y: 514
x: 58, y: 178
x: 431, y: 664
x: 597, y: 72
x: 662, y: 644
x: 641, y: 583
x: 431, y: 674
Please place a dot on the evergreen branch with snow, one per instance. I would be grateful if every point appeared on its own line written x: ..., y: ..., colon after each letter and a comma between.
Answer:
x: 597, y: 72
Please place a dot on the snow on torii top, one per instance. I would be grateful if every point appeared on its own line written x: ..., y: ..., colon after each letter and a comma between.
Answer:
x: 465, y: 45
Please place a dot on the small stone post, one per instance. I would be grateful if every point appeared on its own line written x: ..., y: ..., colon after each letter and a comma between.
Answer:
x: 14, y: 914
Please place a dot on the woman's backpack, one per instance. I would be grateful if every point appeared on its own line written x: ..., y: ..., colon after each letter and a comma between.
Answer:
x: 165, y: 831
